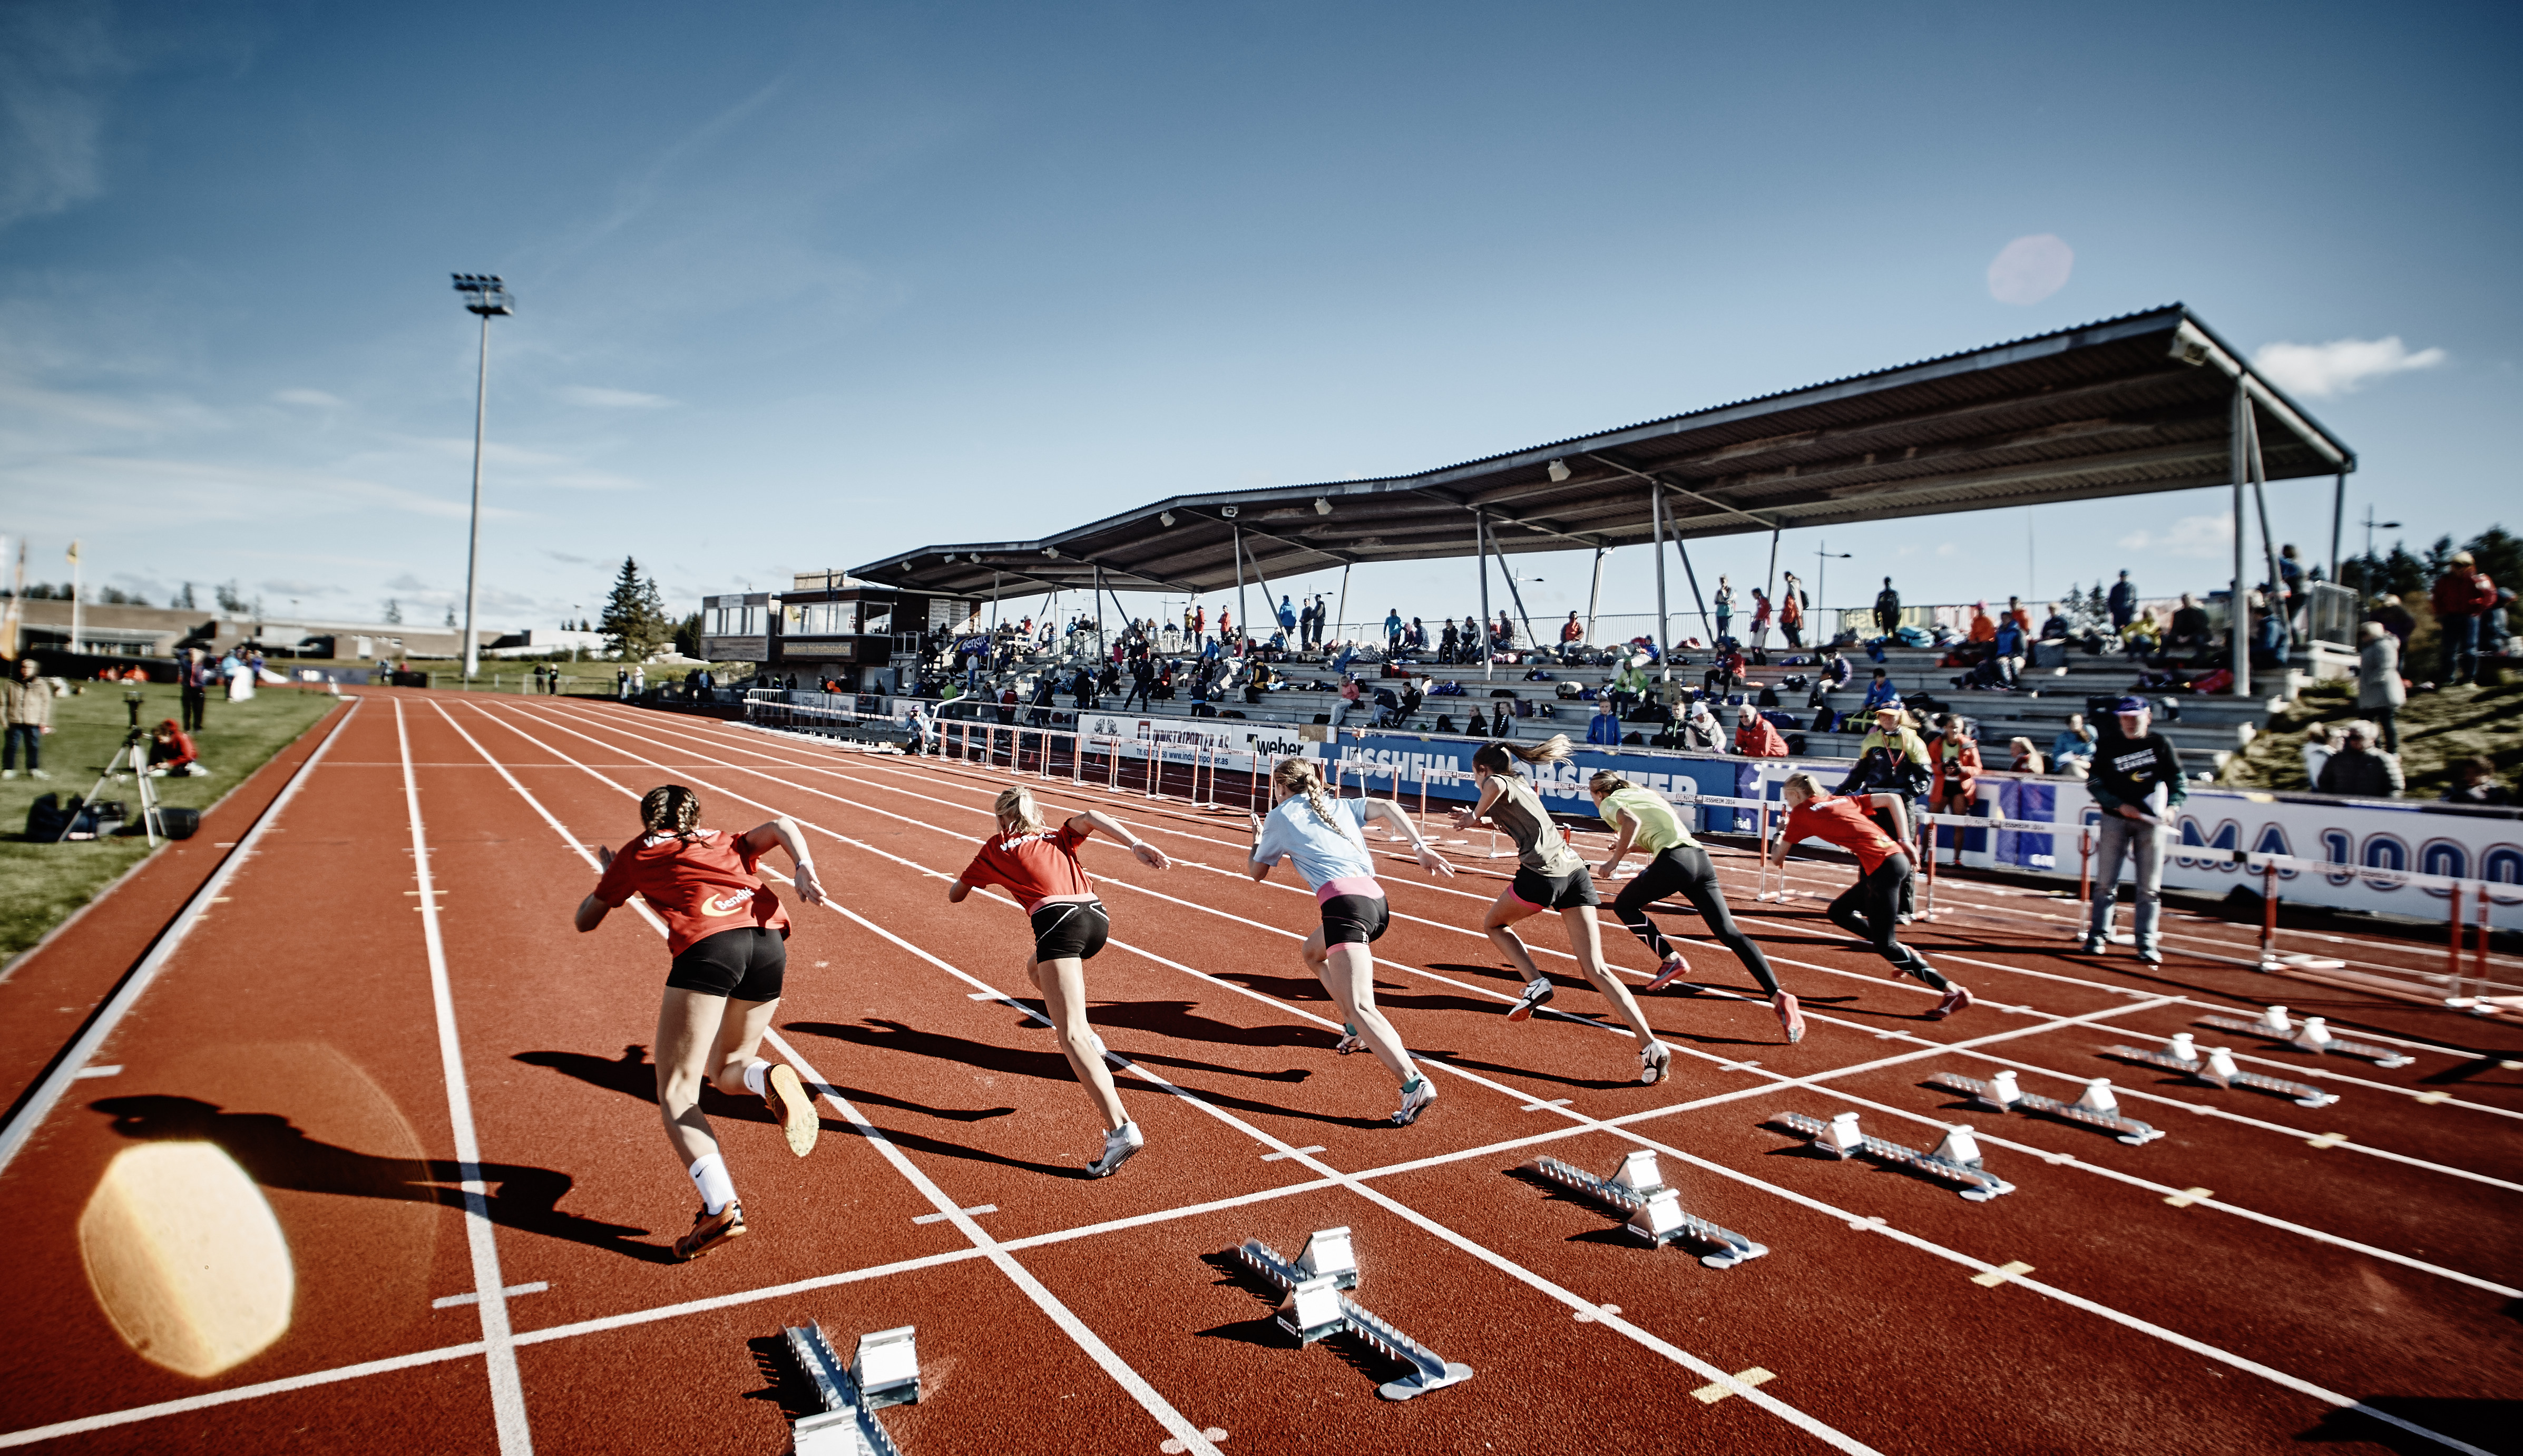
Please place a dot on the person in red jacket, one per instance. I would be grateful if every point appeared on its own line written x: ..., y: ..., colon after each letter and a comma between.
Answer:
x: 1756, y: 736
x: 170, y: 752
x: 1955, y: 756
x: 2464, y: 595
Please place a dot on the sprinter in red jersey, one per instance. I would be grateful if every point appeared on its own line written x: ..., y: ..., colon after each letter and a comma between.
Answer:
x: 727, y: 934
x: 1039, y: 868
x: 1870, y: 908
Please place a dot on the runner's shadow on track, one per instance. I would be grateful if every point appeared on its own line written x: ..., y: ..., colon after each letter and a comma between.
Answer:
x: 2489, y: 1425
x: 783, y: 1384
x: 276, y: 1154
x: 1267, y: 1334
x: 1503, y: 1069
x: 1048, y: 1063
x: 1177, y: 1020
x: 634, y: 1075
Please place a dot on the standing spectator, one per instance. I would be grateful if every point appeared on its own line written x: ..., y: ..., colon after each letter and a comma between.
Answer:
x: 2379, y: 688
x: 1887, y: 610
x: 2395, y: 619
x: 2022, y: 757
x: 1393, y: 632
x: 1571, y: 632
x: 1287, y: 614
x: 1306, y: 626
x: 2463, y: 594
x: 1723, y: 599
x: 1791, y: 615
x: 2137, y: 783
x: 1605, y: 726
x: 2319, y: 743
x: 1756, y: 736
x: 1143, y: 680
x: 1228, y: 641
x: 2495, y: 630
x: 2475, y: 785
x: 195, y: 676
x: 638, y: 679
x: 2357, y: 772
x: 2072, y: 753
x: 2122, y: 602
x: 1760, y: 618
x: 26, y: 707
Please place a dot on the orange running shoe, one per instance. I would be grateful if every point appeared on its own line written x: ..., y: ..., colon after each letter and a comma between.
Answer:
x: 1790, y: 1017
x: 792, y: 1108
x: 1674, y: 965
x: 709, y: 1230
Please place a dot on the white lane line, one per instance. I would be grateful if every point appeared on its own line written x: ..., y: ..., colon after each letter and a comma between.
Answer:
x: 1273, y: 1157
x: 1659, y: 1345
x: 39, y: 1103
x: 508, y: 1392
x: 451, y: 1302
x: 86, y: 1072
x: 974, y: 1212
x: 212, y: 1399
x: 1129, y: 1379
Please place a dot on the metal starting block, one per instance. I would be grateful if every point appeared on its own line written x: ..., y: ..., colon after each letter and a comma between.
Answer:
x: 1315, y: 1307
x: 2097, y: 1108
x: 1955, y: 1161
x: 1636, y: 1190
x: 2312, y: 1034
x: 885, y: 1371
x: 2216, y: 1067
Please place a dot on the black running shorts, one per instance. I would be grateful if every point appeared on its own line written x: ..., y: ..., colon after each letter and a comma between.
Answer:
x: 1355, y: 919
x: 1070, y: 930
x: 1557, y: 891
x: 746, y: 964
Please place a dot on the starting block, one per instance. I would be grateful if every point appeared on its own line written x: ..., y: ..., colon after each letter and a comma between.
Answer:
x: 1956, y: 1159
x: 2312, y: 1034
x: 1636, y: 1190
x: 1313, y: 1308
x: 2216, y: 1069
x: 2097, y: 1108
x: 885, y: 1371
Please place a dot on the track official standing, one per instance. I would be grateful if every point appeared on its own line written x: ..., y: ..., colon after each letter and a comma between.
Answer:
x: 2137, y: 783
x: 27, y: 703
x: 194, y: 675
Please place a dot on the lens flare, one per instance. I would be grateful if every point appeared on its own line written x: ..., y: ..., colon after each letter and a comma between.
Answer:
x: 186, y: 1258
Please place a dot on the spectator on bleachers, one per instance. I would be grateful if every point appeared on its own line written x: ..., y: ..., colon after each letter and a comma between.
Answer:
x: 2389, y: 610
x: 1887, y: 610
x: 1831, y: 671
x: 1349, y: 694
x: 2464, y: 595
x: 2320, y: 742
x: 2055, y: 627
x: 1417, y: 637
x: 1722, y: 602
x: 2495, y: 630
x: 1605, y: 726
x: 2072, y: 753
x: 1880, y: 694
x: 1756, y: 736
x: 1571, y: 632
x: 1725, y: 670
x: 2023, y: 618
x: 1983, y: 628
x: 2189, y: 627
x: 1448, y: 642
x: 1393, y: 630
x: 1792, y: 614
x: 2357, y: 772
x: 1760, y: 618
x: 2379, y: 688
x: 2022, y: 757
x: 1699, y: 731
x: 2475, y: 785
x: 2008, y: 650
x: 1502, y: 637
x: 2122, y: 602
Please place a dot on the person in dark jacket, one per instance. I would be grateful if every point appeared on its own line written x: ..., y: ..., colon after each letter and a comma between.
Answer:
x: 2137, y: 783
x: 2122, y: 603
x: 2358, y: 771
x: 1888, y: 609
x: 2475, y: 785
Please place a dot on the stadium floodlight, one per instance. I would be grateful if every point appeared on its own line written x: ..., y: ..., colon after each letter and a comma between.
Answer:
x: 1558, y: 471
x: 1322, y: 506
x: 487, y: 297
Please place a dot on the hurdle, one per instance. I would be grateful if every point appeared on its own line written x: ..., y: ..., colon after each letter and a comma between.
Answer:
x: 2216, y: 1069
x: 1313, y: 1308
x: 2312, y: 1034
x: 1636, y: 1190
x: 884, y: 1371
x: 2097, y: 1108
x: 1956, y: 1159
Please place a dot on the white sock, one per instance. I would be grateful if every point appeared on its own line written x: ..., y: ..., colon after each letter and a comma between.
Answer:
x: 757, y: 1078
x: 709, y: 1175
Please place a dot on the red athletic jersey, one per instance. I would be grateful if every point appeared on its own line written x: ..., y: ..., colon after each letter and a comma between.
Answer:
x: 1842, y: 821
x: 1034, y: 866
x: 699, y: 886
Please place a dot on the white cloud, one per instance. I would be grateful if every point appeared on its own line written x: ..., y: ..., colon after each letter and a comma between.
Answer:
x: 312, y: 399
x: 2205, y: 538
x: 2030, y: 269
x: 596, y: 396
x: 56, y: 62
x: 2340, y: 366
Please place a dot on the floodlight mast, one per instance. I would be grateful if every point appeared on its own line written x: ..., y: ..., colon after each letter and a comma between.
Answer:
x: 485, y: 297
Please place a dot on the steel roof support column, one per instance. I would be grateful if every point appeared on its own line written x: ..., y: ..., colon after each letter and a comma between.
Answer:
x: 1664, y: 646
x: 1101, y: 652
x: 1243, y: 618
x: 994, y: 603
x: 2238, y: 613
x: 2338, y: 513
x: 2260, y: 470
x: 1339, y: 618
x: 1771, y: 591
x: 1595, y: 598
x: 1481, y: 555
x: 1512, y: 594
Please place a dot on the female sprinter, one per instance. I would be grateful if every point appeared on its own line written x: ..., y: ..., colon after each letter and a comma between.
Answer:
x: 726, y: 933
x: 1548, y: 876
x: 1326, y: 837
x: 1866, y: 909
x: 1641, y: 820
x: 1039, y: 866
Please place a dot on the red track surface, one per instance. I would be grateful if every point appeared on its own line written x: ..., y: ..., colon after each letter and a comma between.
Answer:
x: 298, y: 1027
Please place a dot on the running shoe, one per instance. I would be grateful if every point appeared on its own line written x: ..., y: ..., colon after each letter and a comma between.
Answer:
x: 792, y: 1108
x: 1655, y: 1061
x: 1674, y: 965
x: 709, y: 1230
x: 1790, y: 1016
x: 1416, y: 1096
x: 1350, y: 1040
x: 1119, y: 1145
x: 2093, y: 946
x: 1958, y: 998
x: 1536, y: 992
x: 2150, y: 955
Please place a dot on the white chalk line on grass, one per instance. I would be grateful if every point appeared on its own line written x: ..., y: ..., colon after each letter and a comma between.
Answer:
x: 1650, y: 1340
x: 1129, y: 1379
x: 1588, y: 1123
x: 1929, y: 1045
x: 508, y: 1392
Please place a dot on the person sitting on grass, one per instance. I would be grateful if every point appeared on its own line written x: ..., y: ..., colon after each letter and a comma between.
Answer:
x: 170, y: 752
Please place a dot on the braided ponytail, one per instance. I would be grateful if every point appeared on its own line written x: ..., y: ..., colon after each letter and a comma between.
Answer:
x: 671, y: 809
x: 1299, y: 775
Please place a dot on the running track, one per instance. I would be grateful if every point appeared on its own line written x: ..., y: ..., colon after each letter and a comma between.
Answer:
x: 445, y: 1098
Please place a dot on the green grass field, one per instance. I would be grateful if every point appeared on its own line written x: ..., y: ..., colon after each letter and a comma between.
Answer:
x: 42, y: 883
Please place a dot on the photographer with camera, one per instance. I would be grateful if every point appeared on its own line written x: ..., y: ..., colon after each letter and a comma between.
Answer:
x: 172, y: 753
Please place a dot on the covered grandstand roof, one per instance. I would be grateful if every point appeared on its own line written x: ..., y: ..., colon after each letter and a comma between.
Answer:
x: 2131, y: 406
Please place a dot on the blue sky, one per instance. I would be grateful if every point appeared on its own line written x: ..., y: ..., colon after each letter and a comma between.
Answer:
x: 803, y: 286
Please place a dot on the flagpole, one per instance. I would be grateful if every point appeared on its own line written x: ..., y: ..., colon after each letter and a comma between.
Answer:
x: 75, y: 624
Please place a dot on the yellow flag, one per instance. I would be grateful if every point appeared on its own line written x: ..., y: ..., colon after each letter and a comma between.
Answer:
x: 74, y: 554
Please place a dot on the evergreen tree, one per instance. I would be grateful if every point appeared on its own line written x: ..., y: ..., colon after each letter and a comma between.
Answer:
x: 2406, y: 574
x: 451, y: 615
x: 2500, y: 556
x: 228, y: 598
x: 185, y: 599
x: 688, y: 635
x: 393, y: 612
x: 635, y: 615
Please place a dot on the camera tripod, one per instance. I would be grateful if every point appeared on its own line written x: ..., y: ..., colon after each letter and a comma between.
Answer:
x: 131, y: 758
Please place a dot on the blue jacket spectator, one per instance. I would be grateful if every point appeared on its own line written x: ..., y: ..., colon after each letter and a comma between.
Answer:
x: 1603, y: 727
x: 1880, y: 694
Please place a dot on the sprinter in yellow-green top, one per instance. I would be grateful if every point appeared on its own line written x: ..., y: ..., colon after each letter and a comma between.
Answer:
x: 1643, y: 820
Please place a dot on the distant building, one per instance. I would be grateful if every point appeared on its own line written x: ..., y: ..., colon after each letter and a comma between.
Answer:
x: 111, y: 630
x: 830, y: 625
